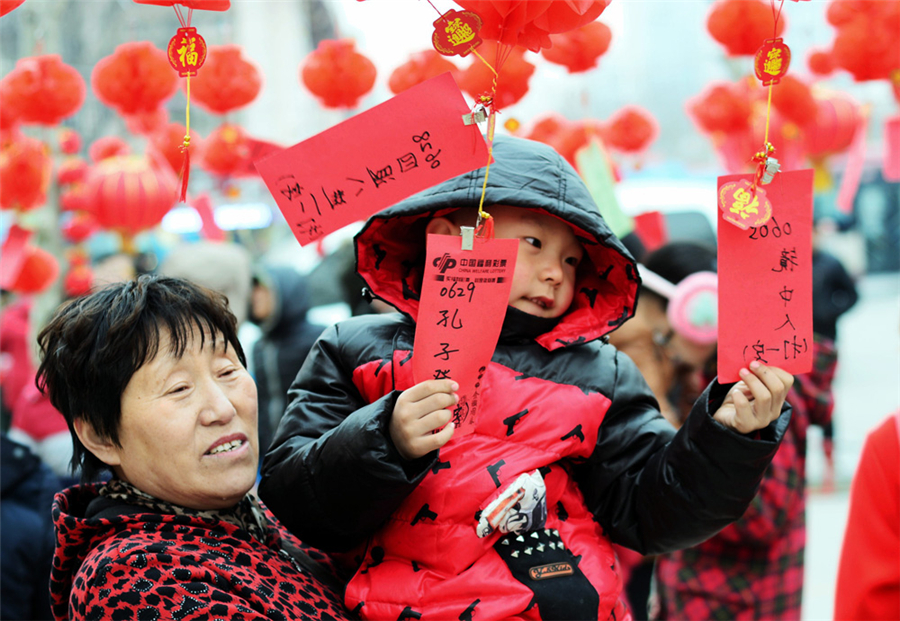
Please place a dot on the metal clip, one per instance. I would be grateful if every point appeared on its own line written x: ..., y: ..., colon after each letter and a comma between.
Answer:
x: 772, y: 167
x: 468, y: 237
x: 478, y: 115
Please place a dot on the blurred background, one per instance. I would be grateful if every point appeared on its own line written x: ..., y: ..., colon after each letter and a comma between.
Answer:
x: 92, y: 118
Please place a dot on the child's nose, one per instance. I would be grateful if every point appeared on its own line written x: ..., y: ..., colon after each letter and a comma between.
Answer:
x: 552, y: 270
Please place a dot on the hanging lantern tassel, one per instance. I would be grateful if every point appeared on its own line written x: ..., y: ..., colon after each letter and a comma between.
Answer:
x: 187, y: 53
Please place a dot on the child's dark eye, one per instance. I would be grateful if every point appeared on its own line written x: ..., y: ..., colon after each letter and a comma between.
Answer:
x: 534, y: 241
x: 573, y: 261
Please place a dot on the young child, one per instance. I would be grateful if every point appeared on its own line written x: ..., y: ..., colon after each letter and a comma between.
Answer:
x: 363, y: 462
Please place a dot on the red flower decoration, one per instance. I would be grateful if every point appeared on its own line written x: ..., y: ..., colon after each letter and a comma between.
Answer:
x: 135, y: 78
x: 42, y: 90
x: 337, y: 74
x: 578, y: 50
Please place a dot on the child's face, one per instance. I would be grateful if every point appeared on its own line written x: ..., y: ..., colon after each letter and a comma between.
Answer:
x: 549, y: 254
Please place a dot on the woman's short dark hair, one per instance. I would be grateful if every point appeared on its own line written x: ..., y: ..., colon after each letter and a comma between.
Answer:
x: 677, y: 260
x: 94, y: 345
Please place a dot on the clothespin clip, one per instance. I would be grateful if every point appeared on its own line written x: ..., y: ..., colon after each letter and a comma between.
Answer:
x: 772, y: 167
x: 468, y: 237
x: 477, y: 115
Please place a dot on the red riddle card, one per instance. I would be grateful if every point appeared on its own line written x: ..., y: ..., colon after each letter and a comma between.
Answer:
x: 765, y: 282
x: 461, y: 310
x: 345, y: 174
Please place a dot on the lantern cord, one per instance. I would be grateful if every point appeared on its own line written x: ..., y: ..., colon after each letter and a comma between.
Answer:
x: 180, y: 16
x: 435, y: 8
x: 484, y: 225
x: 775, y: 17
x: 186, y: 145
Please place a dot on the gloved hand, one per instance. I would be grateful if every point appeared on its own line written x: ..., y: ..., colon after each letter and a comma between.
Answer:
x: 519, y: 508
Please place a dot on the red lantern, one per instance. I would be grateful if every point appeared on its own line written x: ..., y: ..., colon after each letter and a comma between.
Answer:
x: 337, y: 74
x: 722, y: 107
x: 578, y: 50
x: 821, y: 63
x: 39, y: 270
x: 794, y: 99
x: 9, y: 116
x: 168, y: 141
x: 106, y: 147
x: 228, y: 81
x: 421, y: 66
x: 530, y: 24
x: 69, y: 141
x: 135, y: 78
x: 25, y: 167
x: 128, y: 195
x: 71, y: 170
x: 78, y: 280
x: 74, y: 198
x: 866, y: 42
x: 79, y: 227
x: 43, y: 90
x: 225, y: 150
x: 146, y: 123
x: 741, y: 25
x: 478, y: 79
x: 567, y: 137
x: 9, y: 5
x: 834, y: 125
x: 632, y: 129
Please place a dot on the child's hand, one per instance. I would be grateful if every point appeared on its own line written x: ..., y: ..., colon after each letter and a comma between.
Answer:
x: 418, y: 412
x: 756, y: 400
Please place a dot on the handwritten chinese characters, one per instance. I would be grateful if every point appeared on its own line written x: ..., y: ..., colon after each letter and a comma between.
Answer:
x: 461, y: 311
x: 345, y: 174
x: 765, y: 282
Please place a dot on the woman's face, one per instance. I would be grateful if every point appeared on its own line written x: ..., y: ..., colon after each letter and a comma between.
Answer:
x: 188, y: 429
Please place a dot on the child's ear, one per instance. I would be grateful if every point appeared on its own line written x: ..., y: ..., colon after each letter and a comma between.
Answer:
x: 441, y: 226
x: 103, y: 448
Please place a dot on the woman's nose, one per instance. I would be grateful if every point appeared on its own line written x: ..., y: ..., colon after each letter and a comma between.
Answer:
x: 217, y: 406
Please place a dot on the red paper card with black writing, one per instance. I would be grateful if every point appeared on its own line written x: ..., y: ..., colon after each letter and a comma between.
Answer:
x: 461, y: 310
x: 765, y: 281
x: 345, y: 174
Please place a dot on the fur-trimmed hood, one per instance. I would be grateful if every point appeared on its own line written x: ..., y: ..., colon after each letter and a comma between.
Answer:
x: 390, y: 248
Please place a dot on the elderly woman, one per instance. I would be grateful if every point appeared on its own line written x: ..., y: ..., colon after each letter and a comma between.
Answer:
x: 151, y: 379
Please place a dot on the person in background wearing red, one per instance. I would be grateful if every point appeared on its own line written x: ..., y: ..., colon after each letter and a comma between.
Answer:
x: 868, y: 580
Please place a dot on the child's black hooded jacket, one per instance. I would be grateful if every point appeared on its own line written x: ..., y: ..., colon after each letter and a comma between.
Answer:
x: 564, y: 402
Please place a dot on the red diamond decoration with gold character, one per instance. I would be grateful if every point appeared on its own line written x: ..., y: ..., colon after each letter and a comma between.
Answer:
x: 456, y: 33
x: 187, y: 51
x: 744, y: 206
x: 771, y: 61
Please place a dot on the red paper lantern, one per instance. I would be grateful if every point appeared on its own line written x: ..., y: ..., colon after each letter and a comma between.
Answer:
x: 421, y: 66
x: 71, y: 170
x: 79, y: 227
x: 228, y: 81
x: 25, y: 167
x: 206, y: 5
x: 337, y: 74
x: 128, y: 195
x: 146, y: 123
x: 9, y: 5
x: 742, y: 25
x: 578, y: 50
x: 478, y: 79
x: 168, y: 142
x: 135, y: 78
x: 530, y: 24
x: 9, y: 116
x: 106, y: 147
x: 225, y: 151
x: 632, y: 129
x: 43, y: 90
x: 866, y: 42
x: 74, y: 198
x: 78, y: 280
x: 834, y: 125
x: 565, y: 136
x: 69, y: 141
x: 821, y: 63
x: 723, y: 107
x: 794, y: 99
x: 39, y: 270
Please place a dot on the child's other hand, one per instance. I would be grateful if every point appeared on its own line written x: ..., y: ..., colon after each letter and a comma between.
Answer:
x: 419, y: 411
x: 756, y: 400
